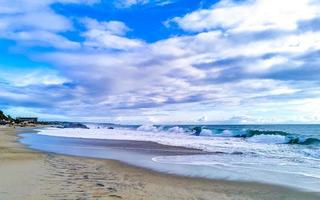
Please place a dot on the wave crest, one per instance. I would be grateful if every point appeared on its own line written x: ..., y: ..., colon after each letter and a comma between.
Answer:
x: 259, y: 136
x: 250, y: 135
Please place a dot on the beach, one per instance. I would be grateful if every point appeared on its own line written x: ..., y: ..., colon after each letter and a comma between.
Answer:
x: 27, y: 174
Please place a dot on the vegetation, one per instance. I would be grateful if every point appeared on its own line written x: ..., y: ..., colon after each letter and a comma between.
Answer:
x: 3, y: 117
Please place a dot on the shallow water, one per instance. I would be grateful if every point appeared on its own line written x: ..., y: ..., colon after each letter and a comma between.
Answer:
x: 230, y: 158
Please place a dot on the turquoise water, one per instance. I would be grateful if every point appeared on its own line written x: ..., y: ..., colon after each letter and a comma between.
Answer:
x: 286, y: 155
x: 293, y: 134
x: 278, y: 134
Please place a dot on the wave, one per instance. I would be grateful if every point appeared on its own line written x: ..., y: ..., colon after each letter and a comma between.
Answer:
x: 227, y: 154
x: 148, y: 128
x: 277, y: 136
x: 304, y: 141
x: 251, y: 135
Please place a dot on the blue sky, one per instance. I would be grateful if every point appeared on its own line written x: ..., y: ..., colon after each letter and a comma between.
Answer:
x: 161, y: 61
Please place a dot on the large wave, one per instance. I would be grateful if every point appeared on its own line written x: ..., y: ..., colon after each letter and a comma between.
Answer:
x: 251, y: 135
x: 288, y: 137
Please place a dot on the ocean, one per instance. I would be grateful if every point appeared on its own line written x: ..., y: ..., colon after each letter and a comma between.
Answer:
x: 287, y: 155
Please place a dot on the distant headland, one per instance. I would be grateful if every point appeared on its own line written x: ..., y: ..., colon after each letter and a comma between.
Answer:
x: 7, y: 120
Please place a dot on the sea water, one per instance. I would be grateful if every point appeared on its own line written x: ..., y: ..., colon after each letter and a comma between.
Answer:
x: 287, y: 155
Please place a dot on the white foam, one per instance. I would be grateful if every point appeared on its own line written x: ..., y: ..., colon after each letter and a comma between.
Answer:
x: 277, y: 167
x: 176, y: 129
x: 227, y: 133
x: 240, y: 159
x: 148, y: 127
x: 206, y: 143
x: 268, y: 139
x: 260, y: 145
x: 206, y: 132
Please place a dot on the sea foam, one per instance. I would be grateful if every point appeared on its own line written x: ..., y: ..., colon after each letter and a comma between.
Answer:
x: 261, y: 157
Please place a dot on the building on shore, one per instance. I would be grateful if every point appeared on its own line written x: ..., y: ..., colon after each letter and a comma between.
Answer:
x: 33, y: 120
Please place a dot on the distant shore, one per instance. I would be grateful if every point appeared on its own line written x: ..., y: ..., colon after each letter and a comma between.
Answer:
x: 30, y: 175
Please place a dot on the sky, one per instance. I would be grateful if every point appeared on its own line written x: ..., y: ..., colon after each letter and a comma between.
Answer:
x: 161, y: 61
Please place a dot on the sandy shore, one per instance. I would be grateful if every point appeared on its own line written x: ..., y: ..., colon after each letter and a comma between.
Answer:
x: 29, y: 175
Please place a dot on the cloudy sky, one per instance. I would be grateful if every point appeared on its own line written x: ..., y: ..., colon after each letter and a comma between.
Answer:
x: 161, y: 61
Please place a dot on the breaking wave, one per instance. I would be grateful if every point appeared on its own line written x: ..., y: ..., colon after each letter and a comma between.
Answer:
x: 272, y: 153
x: 251, y: 135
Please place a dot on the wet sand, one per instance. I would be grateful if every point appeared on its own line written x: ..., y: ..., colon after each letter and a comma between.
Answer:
x: 30, y: 175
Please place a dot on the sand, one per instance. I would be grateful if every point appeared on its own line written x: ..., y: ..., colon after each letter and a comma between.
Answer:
x: 30, y: 175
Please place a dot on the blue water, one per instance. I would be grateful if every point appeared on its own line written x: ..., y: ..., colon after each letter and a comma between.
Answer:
x: 294, y: 133
x: 287, y: 155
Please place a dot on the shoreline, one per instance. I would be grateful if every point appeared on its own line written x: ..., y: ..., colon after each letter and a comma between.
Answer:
x: 91, y: 178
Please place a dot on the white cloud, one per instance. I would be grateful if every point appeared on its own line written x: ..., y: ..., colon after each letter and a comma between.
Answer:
x: 129, y: 3
x: 108, y: 35
x: 169, y: 72
x: 266, y: 64
x: 226, y: 75
x: 50, y: 21
x: 42, y: 38
x: 31, y: 77
x: 214, y: 45
x: 250, y: 15
x: 112, y: 27
x: 166, y: 74
x: 105, y: 40
x: 5, y: 94
x: 35, y: 22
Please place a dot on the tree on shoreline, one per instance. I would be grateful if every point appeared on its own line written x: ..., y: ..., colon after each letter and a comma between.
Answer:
x: 3, y: 117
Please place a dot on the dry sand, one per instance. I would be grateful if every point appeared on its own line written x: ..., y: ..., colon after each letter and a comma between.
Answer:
x: 29, y: 175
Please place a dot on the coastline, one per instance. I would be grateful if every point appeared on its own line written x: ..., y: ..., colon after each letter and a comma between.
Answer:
x: 27, y: 174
